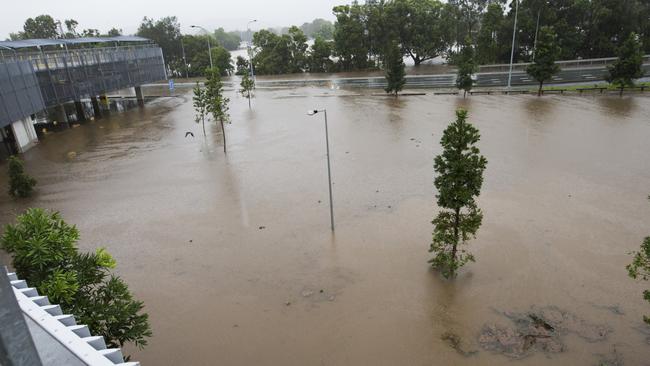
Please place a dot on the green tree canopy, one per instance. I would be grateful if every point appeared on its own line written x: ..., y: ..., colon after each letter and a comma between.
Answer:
x: 166, y: 32
x: 394, y: 69
x: 44, y: 252
x: 466, y: 68
x: 320, y: 56
x: 280, y: 54
x: 640, y: 268
x: 459, y: 178
x: 217, y: 103
x: 546, y: 54
x: 629, y: 65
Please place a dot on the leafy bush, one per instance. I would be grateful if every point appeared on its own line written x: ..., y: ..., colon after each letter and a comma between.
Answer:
x: 20, y: 184
x: 44, y: 252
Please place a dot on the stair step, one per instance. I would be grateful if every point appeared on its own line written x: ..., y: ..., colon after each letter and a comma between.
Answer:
x: 40, y: 300
x: 97, y: 342
x: 113, y: 354
x: 19, y: 284
x: 80, y: 330
x: 29, y: 291
x: 66, y: 319
x: 129, y: 364
x: 53, y: 309
x: 12, y: 276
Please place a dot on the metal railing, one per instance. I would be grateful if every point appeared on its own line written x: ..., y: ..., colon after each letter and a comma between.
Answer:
x: 567, y: 64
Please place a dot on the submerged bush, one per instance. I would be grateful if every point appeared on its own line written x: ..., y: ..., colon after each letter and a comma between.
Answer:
x: 20, y: 184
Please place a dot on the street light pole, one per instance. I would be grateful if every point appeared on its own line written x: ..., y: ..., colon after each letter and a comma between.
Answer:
x: 539, y: 12
x: 329, y: 169
x: 512, y: 51
x: 209, y: 48
x: 249, y: 48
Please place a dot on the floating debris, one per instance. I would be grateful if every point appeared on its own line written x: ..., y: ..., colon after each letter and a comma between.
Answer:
x: 538, y: 330
x: 455, y: 341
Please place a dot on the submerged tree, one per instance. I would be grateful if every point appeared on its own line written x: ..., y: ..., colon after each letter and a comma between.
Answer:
x: 546, y: 53
x: 247, y: 86
x: 394, y: 68
x: 459, y: 179
x: 44, y: 253
x: 466, y: 68
x: 629, y: 65
x: 217, y: 103
x: 640, y: 268
x: 20, y: 184
x: 200, y: 102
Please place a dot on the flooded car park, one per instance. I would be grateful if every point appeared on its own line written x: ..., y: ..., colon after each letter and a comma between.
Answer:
x: 235, y: 261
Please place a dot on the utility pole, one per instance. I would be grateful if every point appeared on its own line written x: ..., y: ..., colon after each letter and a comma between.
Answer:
x: 539, y: 12
x: 512, y: 51
x: 184, y: 59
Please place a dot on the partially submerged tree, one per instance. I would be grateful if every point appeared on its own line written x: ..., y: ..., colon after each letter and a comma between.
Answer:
x: 459, y: 179
x: 547, y: 51
x: 247, y: 86
x: 394, y: 69
x: 200, y: 102
x: 629, y: 65
x: 44, y: 253
x: 20, y: 184
x: 466, y: 68
x: 640, y: 268
x: 217, y: 103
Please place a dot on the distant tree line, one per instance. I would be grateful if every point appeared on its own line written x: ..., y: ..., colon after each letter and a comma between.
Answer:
x: 425, y: 29
x: 44, y: 26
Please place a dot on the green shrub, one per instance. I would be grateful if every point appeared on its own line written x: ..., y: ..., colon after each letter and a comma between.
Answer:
x: 44, y: 252
x: 20, y: 184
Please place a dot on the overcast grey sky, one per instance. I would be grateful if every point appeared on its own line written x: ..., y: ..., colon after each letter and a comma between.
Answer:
x: 127, y: 15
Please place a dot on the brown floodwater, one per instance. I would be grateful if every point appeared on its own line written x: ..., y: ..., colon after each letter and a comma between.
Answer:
x: 234, y: 257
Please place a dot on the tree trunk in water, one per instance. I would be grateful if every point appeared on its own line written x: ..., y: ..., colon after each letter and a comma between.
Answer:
x: 223, y: 131
x: 455, y: 248
x: 621, y: 93
x: 203, y: 123
x: 464, y: 94
x: 539, y: 92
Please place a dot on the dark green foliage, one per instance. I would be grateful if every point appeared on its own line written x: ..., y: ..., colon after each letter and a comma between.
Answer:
x: 166, y: 32
x: 318, y: 28
x: 487, y: 43
x: 280, y: 54
x: 45, y: 254
x: 20, y: 184
x: 319, y: 57
x: 242, y: 65
x: 466, y: 68
x: 640, y: 268
x: 394, y: 69
x: 629, y: 65
x: 351, y: 41
x: 247, y: 86
x: 458, y: 180
x: 196, y: 52
x: 228, y: 40
x: 42, y: 26
x: 217, y: 103
x: 546, y: 54
x: 200, y: 103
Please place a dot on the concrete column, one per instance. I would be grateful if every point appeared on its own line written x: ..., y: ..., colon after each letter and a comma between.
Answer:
x: 139, y: 96
x: 97, y: 111
x: 61, y: 116
x: 103, y: 100
x: 81, y: 116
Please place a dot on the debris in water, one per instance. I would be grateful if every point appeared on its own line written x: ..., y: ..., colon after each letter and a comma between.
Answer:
x: 332, y: 298
x: 321, y: 291
x: 72, y: 155
x: 306, y: 293
x: 538, y: 330
x: 287, y: 303
x: 190, y: 240
x: 455, y: 342
x: 262, y: 227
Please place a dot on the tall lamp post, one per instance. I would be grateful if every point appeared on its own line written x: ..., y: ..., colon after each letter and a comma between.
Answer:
x: 329, y: 170
x: 250, y: 49
x: 209, y: 49
x: 512, y: 51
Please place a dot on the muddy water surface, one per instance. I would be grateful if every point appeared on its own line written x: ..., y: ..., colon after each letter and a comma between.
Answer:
x: 236, y: 263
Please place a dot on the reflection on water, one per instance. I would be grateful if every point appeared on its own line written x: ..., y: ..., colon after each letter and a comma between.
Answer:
x: 236, y: 263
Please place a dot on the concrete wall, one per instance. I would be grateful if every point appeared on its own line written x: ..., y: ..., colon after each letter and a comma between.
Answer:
x: 25, y: 134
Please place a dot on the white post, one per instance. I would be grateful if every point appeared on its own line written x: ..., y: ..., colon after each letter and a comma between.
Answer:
x: 329, y: 171
x: 512, y: 51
